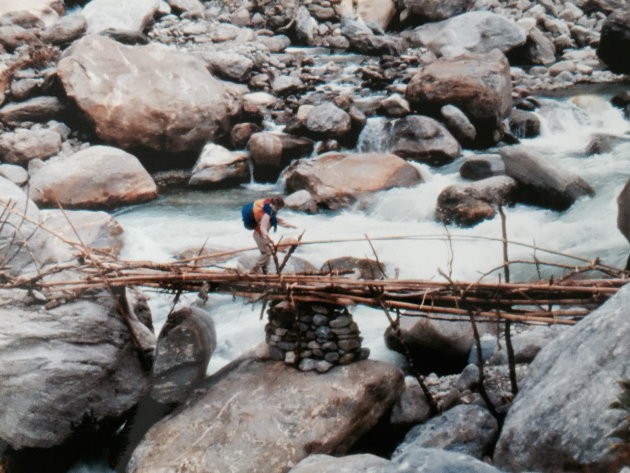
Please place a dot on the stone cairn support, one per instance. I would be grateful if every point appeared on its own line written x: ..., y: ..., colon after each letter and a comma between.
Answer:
x: 313, y: 336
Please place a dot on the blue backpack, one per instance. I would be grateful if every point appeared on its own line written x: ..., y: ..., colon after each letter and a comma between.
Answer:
x: 247, y: 211
x: 249, y: 216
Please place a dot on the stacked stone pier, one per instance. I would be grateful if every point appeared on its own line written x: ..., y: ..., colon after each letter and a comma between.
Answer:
x: 313, y: 336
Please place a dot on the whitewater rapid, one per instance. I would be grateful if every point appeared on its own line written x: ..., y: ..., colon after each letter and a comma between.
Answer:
x: 179, y: 220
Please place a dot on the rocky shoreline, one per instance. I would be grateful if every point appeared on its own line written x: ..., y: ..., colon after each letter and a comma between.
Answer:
x: 103, y: 104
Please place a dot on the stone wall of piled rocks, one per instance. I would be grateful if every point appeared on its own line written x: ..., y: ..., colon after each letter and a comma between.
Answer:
x: 313, y: 336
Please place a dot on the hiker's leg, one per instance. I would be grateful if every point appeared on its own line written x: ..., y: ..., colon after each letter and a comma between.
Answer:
x: 265, y: 254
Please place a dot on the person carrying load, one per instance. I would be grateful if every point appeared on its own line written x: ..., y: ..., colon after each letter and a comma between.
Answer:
x: 260, y: 216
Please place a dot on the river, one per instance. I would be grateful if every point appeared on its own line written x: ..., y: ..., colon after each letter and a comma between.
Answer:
x: 181, y: 219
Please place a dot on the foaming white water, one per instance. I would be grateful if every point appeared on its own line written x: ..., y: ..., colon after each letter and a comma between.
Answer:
x: 568, y: 125
x: 425, y: 249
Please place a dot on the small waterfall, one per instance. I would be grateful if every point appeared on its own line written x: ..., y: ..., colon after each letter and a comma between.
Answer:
x: 375, y: 135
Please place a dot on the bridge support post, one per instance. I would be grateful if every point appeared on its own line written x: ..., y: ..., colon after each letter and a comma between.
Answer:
x: 313, y: 336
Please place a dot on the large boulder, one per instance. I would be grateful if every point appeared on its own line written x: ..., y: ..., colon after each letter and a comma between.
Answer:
x: 561, y: 417
x: 423, y: 139
x: 62, y: 369
x: 264, y: 416
x: 153, y: 96
x: 337, y: 179
x: 470, y: 203
x: 474, y: 32
x: 272, y: 152
x: 614, y: 43
x: 436, y: 346
x: 184, y: 347
x: 480, y: 85
x: 541, y: 181
x: 46, y: 11
x: 96, y: 177
x: 217, y: 165
x: 468, y: 429
x: 98, y: 231
x: 436, y: 10
x: 623, y: 213
x: 126, y: 15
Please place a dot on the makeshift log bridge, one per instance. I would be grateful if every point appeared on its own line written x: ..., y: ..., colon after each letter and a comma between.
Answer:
x: 562, y: 302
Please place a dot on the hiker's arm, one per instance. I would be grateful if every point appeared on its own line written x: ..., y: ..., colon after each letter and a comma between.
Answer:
x: 284, y: 223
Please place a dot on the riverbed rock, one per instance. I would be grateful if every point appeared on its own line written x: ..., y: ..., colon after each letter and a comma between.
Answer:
x: 300, y: 201
x: 423, y: 139
x: 96, y: 177
x: 14, y: 173
x: 412, y: 407
x: 47, y: 11
x: 271, y: 152
x: 436, y: 346
x: 360, y: 268
x: 282, y: 415
x: 218, y: 166
x: 615, y: 41
x: 229, y: 65
x: 12, y: 36
x: 542, y: 182
x: 88, y: 370
x: 482, y: 166
x: 469, y: 204
x: 24, y: 144
x: 435, y: 460
x: 189, y: 8
x: 184, y: 347
x: 17, y: 259
x: 127, y: 15
x: 526, y: 344
x: 538, y: 49
x: 623, y: 214
x: 560, y: 419
x: 66, y: 30
x: 394, y: 106
x: 479, y: 85
x: 362, y: 462
x: 476, y: 32
x: 152, y: 96
x: 336, y: 180
x: 328, y: 121
x: 98, y: 231
x: 524, y: 124
x: 605, y: 142
x: 380, y: 12
x: 458, y: 124
x: 426, y: 11
x: 468, y: 429
x: 295, y: 264
x: 37, y: 109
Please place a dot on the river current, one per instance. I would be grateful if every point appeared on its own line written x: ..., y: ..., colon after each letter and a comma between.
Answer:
x: 182, y: 219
